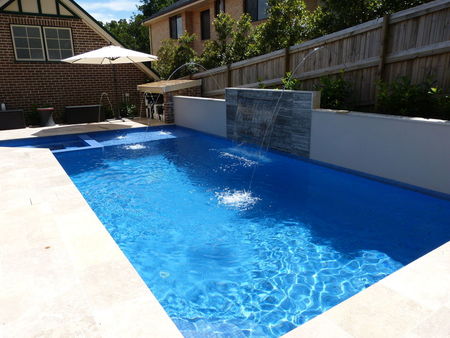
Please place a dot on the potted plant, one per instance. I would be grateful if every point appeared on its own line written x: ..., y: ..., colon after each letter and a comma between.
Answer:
x: 46, y: 116
x: 128, y: 110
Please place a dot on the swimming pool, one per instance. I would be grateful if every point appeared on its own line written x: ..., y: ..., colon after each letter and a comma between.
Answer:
x: 237, y: 243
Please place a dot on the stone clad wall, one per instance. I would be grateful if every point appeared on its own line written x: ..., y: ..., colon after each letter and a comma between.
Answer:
x: 275, y: 119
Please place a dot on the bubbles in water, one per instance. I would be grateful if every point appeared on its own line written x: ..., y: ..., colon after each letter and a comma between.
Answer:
x: 135, y: 147
x: 162, y: 132
x: 240, y: 199
x: 244, y: 161
x: 120, y: 137
x: 254, y: 155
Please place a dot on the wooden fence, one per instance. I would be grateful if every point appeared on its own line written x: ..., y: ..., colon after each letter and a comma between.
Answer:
x: 413, y: 43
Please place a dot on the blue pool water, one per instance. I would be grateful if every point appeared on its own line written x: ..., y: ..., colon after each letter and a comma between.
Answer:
x: 229, y: 258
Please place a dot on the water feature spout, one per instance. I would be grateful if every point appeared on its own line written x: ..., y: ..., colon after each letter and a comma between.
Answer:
x: 104, y: 94
x: 268, y: 130
x: 191, y: 63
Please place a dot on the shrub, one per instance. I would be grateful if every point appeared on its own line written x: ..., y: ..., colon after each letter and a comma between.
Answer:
x: 127, y: 110
x: 424, y: 99
x: 32, y: 116
x: 290, y: 83
x: 335, y: 92
x: 443, y: 104
x: 175, y: 53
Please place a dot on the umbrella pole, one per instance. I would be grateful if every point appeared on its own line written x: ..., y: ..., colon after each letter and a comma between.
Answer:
x: 117, y: 112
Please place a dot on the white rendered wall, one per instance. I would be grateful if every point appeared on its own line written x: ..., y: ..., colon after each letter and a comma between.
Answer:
x: 409, y: 150
x: 202, y: 114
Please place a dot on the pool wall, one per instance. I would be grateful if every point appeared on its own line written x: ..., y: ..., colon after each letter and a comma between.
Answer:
x: 202, y: 114
x: 413, y: 152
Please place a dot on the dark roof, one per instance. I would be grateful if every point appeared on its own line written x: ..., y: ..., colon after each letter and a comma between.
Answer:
x: 172, y: 7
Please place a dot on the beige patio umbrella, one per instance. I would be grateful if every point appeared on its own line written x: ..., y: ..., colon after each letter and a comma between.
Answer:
x: 111, y: 55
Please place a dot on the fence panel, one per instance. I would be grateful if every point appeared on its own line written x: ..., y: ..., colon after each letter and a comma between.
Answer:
x: 414, y: 43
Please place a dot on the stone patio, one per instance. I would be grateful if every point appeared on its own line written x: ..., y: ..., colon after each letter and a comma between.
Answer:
x: 78, y: 128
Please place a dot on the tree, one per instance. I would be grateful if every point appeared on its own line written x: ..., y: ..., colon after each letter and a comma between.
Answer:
x: 287, y: 24
x: 341, y: 14
x: 130, y: 32
x: 242, y: 42
x: 173, y: 54
x: 150, y: 7
x: 216, y: 52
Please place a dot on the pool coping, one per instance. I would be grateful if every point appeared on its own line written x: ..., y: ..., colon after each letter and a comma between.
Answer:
x: 55, y: 254
x: 61, y: 273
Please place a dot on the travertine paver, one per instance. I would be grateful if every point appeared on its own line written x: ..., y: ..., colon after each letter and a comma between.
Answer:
x: 77, y: 128
x: 61, y: 274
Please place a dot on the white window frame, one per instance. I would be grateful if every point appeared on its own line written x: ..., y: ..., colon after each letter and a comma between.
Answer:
x: 15, y: 48
x: 46, y: 45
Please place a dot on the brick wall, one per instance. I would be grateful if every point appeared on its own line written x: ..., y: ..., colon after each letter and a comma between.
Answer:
x: 25, y: 85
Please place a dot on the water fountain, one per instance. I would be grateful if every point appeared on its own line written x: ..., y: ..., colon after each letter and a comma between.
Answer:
x: 257, y: 117
x: 104, y: 94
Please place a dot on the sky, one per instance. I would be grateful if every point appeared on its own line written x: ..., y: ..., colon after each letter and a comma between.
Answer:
x: 109, y: 9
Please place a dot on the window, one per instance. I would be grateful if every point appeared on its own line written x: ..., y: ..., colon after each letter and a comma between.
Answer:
x: 28, y: 43
x: 58, y: 42
x: 176, y: 27
x: 29, y: 46
x: 205, y: 25
x: 257, y: 9
x: 219, y: 7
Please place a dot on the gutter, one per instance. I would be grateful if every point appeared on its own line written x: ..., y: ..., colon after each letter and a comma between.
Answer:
x: 152, y: 19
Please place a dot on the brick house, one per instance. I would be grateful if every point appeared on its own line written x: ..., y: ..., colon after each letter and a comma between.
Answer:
x: 35, y: 35
x: 196, y: 16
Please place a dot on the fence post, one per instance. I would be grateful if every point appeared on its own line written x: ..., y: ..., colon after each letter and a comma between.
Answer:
x: 228, y: 75
x: 384, y: 42
x: 287, y: 60
x: 384, y: 45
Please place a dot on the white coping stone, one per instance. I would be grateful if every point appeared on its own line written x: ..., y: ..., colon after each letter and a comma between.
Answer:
x: 385, y: 116
x: 199, y: 98
x: 66, y: 129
